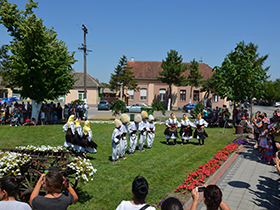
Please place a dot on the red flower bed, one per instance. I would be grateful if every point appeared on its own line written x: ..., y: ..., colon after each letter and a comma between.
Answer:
x: 197, y: 178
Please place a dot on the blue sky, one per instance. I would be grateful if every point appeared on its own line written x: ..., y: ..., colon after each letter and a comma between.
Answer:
x: 148, y: 29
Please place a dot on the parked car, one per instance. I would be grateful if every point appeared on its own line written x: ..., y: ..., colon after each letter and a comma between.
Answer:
x: 107, y: 105
x: 189, y: 107
x: 277, y: 104
x: 136, y: 107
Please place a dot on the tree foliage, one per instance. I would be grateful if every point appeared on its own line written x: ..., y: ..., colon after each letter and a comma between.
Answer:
x: 173, y: 70
x: 118, y: 107
x: 37, y: 63
x: 241, y: 75
x: 159, y: 106
x: 123, y: 75
x: 272, y: 90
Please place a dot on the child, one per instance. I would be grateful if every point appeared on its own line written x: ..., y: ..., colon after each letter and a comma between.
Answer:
x: 9, y: 187
x: 200, y: 133
x: 42, y: 115
x: 263, y: 140
x: 143, y: 130
x: 268, y: 153
x: 123, y: 142
x: 53, y: 182
x: 116, y: 137
x: 150, y: 132
x: 133, y: 128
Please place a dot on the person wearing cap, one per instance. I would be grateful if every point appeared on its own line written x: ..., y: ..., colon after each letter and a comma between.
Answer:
x: 186, y: 129
x: 140, y: 190
x: 143, y: 130
x: 150, y: 132
x: 171, y: 131
x: 133, y: 128
x: 200, y: 133
x: 123, y: 142
x: 116, y: 138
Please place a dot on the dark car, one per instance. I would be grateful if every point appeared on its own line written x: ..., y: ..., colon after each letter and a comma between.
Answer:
x: 104, y: 105
x: 189, y: 107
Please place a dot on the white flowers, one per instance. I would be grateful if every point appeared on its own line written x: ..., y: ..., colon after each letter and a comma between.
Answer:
x: 43, y: 148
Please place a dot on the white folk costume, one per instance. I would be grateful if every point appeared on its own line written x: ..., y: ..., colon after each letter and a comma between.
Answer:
x: 186, y: 129
x: 143, y: 130
x: 87, y: 144
x: 116, y: 138
x: 150, y: 132
x: 69, y: 128
x: 200, y: 133
x: 133, y: 128
x: 77, y: 141
x: 124, y: 128
x: 171, y: 130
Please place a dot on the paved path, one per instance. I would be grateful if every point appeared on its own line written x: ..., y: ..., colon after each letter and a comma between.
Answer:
x: 248, y: 183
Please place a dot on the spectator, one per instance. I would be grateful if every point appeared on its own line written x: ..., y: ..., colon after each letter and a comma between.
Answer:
x: 9, y: 187
x: 76, y: 109
x: 43, y: 117
x: 59, y: 112
x: 277, y: 164
x: 86, y: 108
x: 53, y: 182
x: 212, y: 198
x: 140, y: 189
x: 171, y: 204
x: 66, y: 112
x: 81, y: 110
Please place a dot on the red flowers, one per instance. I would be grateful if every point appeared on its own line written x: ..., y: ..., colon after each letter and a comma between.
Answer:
x: 197, y: 178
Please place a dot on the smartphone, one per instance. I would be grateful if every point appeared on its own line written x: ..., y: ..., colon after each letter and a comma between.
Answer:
x: 200, y: 189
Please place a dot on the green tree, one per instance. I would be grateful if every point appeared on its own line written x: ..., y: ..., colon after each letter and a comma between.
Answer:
x: 272, y: 90
x: 241, y: 75
x: 194, y: 77
x: 38, y: 63
x: 118, y: 107
x: 173, y: 72
x: 123, y: 76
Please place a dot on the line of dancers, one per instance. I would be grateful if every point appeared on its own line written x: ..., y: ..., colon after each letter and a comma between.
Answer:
x: 185, y: 129
x: 79, y: 140
x: 143, y: 124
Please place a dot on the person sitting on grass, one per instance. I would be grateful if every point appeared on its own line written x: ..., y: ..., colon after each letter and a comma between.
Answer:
x: 53, y: 182
x: 140, y: 189
x: 171, y: 204
x: 212, y: 198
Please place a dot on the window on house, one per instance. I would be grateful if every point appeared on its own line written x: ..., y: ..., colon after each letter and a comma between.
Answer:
x: 81, y: 95
x: 162, y: 95
x: 131, y: 95
x: 143, y: 94
x: 182, y: 95
x: 215, y: 98
x: 196, y: 96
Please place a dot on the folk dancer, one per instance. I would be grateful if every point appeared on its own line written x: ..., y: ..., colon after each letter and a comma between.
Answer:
x: 171, y: 131
x: 69, y: 128
x: 87, y: 144
x: 124, y: 128
x: 143, y: 130
x: 116, y: 138
x: 200, y: 133
x: 133, y: 128
x: 186, y: 129
x: 77, y: 140
x: 150, y: 132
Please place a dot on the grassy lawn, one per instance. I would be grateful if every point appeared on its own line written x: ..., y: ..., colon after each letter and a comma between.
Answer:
x: 164, y: 166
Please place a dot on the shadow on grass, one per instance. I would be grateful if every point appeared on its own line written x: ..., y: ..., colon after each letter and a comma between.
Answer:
x: 171, y: 143
x: 83, y: 195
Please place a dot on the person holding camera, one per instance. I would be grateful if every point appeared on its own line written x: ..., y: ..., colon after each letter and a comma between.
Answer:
x: 212, y: 198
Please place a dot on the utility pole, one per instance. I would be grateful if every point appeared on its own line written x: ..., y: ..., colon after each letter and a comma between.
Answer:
x: 84, y: 48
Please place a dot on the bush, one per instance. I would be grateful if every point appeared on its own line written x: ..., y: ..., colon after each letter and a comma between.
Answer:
x: 198, y: 109
x: 159, y: 106
x: 118, y: 106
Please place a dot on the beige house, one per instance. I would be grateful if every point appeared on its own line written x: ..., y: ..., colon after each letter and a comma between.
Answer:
x: 152, y: 90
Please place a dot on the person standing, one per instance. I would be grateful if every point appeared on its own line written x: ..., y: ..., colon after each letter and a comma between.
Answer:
x: 133, y: 128
x: 124, y: 128
x: 86, y: 108
x: 76, y: 109
x: 151, y: 128
x: 186, y: 129
x: 116, y: 138
x: 200, y: 133
x: 81, y: 110
x: 59, y: 112
x: 143, y: 131
x: 171, y: 131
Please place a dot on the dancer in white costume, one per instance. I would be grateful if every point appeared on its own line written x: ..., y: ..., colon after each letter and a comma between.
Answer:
x: 116, y: 138
x: 171, y: 130
x: 186, y: 129
x: 133, y: 128
x: 143, y: 130
x: 200, y: 133
x: 69, y: 128
x: 124, y: 128
x: 150, y: 132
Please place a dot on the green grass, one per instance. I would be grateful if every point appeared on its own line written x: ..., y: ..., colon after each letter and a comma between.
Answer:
x: 165, y: 166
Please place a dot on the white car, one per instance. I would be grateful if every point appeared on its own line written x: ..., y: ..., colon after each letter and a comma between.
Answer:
x: 136, y: 107
x: 277, y: 104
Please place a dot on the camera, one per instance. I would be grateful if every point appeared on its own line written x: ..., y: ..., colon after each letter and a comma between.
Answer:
x: 200, y: 189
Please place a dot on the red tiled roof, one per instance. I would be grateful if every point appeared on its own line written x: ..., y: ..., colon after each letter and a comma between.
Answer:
x: 151, y: 69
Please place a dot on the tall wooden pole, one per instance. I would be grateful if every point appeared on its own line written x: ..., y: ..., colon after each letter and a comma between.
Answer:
x: 85, y: 61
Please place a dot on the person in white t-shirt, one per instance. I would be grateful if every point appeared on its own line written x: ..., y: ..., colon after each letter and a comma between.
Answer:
x: 140, y: 189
